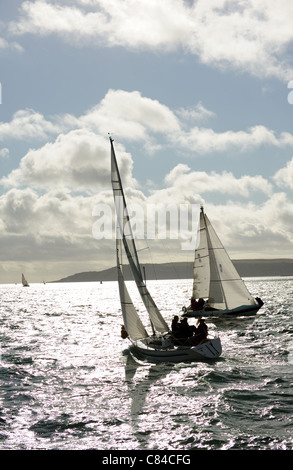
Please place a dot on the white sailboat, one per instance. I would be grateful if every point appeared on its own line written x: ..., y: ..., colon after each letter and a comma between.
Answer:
x: 24, y: 281
x: 218, y: 289
x: 160, y: 345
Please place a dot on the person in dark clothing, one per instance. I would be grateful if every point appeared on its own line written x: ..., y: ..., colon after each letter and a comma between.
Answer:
x: 184, y: 329
x: 193, y: 303
x: 201, y: 303
x: 181, y: 331
x: 201, y: 332
x: 175, y: 324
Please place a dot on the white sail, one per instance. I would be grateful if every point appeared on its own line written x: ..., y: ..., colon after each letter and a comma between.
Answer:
x: 215, y: 275
x: 201, y: 266
x: 125, y: 232
x: 24, y: 281
x: 132, y: 322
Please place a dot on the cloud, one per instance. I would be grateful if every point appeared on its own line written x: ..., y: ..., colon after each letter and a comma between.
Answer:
x: 252, y: 36
x: 58, y: 226
x: 206, y: 140
x: 138, y: 118
x: 249, y: 230
x: 77, y: 157
x: 78, y: 160
x: 284, y: 176
x: 4, y: 44
x: 4, y: 152
x: 29, y: 125
x: 49, y: 208
x: 131, y: 115
x: 244, y: 35
x: 183, y: 180
x: 51, y: 215
x: 195, y: 113
x: 129, y: 25
x: 50, y: 235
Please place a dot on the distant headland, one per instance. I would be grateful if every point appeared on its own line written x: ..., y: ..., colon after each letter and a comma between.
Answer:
x: 183, y: 270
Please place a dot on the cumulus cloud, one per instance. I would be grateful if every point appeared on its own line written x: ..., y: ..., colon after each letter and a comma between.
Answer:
x: 50, y: 234
x: 252, y: 36
x: 76, y: 155
x: 58, y: 226
x: 253, y: 230
x: 205, y: 140
x: 78, y: 160
x: 51, y: 215
x: 50, y: 199
x: 129, y: 25
x: 131, y: 115
x: 27, y: 124
x: 183, y: 180
x: 284, y: 176
x: 135, y: 117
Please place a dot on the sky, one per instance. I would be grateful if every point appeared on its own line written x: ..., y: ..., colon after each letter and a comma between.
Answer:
x: 198, y: 97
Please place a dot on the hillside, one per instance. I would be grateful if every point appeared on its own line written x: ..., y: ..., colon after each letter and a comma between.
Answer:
x: 246, y: 268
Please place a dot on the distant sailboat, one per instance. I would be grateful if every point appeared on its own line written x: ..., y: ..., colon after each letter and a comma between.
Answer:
x: 24, y: 281
x: 161, y: 345
x: 218, y: 289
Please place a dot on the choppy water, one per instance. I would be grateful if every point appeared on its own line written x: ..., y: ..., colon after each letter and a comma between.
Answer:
x: 69, y: 382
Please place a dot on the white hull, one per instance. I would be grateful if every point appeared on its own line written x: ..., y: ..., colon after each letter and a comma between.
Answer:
x: 211, y: 349
x: 243, y: 311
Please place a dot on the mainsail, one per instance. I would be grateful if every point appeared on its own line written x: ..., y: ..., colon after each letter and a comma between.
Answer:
x: 215, y: 276
x: 125, y: 233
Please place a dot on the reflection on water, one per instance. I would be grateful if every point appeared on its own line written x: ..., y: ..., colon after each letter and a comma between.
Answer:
x: 139, y: 379
x: 68, y: 380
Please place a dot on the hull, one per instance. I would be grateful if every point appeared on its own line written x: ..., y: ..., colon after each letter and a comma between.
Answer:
x: 211, y: 349
x: 242, y: 311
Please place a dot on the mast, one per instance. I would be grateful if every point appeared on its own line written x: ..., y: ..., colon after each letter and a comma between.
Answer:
x: 122, y: 214
x: 157, y: 321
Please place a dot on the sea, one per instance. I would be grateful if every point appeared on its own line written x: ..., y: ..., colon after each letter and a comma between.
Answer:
x: 68, y: 381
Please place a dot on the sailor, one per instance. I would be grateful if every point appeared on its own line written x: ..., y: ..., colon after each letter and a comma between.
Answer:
x: 185, y: 330
x: 200, y: 303
x: 175, y: 324
x: 197, y: 304
x: 193, y: 303
x: 201, y: 331
x: 124, y: 333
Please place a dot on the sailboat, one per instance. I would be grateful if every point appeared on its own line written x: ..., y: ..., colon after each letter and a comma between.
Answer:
x: 24, y: 281
x: 218, y: 289
x: 159, y: 345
